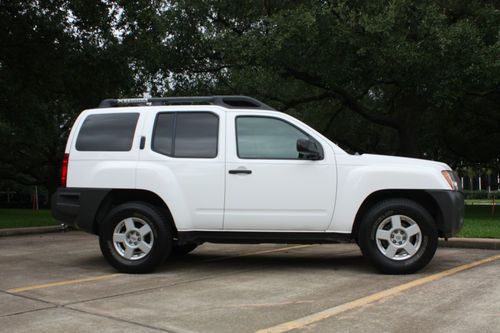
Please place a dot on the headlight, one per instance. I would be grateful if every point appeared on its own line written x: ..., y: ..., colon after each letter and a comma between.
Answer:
x: 451, y: 179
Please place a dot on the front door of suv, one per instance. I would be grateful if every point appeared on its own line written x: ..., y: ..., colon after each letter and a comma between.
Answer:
x: 269, y: 187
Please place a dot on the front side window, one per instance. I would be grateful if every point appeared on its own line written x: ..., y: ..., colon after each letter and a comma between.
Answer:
x: 267, y: 138
x: 186, y: 134
x: 107, y: 132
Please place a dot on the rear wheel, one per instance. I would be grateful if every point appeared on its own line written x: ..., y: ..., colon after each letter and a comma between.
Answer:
x: 399, y: 236
x: 135, y: 237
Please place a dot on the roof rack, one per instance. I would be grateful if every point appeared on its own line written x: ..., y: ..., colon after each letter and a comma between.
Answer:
x: 229, y: 101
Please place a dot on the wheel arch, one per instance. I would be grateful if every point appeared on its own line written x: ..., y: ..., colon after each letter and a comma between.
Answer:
x: 421, y: 197
x: 119, y: 196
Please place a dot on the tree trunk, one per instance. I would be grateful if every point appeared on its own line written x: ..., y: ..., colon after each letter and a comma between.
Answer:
x: 408, y: 141
x: 410, y: 113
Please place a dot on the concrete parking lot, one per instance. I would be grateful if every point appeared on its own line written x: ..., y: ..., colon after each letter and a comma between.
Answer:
x: 61, y: 283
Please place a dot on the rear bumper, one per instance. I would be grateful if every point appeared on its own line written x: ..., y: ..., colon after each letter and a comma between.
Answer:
x: 451, y: 207
x: 77, y: 207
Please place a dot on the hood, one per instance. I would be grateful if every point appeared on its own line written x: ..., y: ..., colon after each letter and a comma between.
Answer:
x: 372, y: 159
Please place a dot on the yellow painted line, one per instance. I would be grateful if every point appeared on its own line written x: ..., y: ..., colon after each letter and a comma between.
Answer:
x: 281, y: 249
x: 109, y: 276
x: 325, y: 314
x: 62, y: 283
x: 274, y: 250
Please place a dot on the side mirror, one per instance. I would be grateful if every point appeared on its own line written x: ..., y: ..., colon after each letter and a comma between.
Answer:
x: 308, y: 149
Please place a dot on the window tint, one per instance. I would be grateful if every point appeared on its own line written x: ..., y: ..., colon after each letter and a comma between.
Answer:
x: 196, y: 135
x: 186, y: 134
x: 164, y: 130
x: 267, y: 138
x: 107, y: 132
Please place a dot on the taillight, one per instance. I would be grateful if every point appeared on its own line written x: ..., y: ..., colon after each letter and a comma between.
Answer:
x: 64, y: 170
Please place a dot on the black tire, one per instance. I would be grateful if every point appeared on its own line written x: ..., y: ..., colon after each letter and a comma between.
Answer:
x: 182, y: 250
x: 160, y: 237
x: 372, y: 249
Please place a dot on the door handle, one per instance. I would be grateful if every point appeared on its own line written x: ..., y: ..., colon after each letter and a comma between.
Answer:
x: 240, y: 171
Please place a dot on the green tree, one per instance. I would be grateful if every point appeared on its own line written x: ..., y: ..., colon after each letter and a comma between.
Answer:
x: 416, y: 78
x: 57, y: 58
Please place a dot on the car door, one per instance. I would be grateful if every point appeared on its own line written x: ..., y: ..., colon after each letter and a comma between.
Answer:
x: 184, y: 163
x: 269, y: 187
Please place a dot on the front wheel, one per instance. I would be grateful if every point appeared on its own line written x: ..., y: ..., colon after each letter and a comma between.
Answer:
x: 135, y: 237
x: 399, y: 236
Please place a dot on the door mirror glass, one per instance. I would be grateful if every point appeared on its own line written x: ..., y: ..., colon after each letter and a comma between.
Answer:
x: 308, y: 149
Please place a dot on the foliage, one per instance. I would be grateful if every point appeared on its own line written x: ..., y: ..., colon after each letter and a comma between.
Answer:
x: 414, y: 78
x: 407, y: 77
x: 58, y: 57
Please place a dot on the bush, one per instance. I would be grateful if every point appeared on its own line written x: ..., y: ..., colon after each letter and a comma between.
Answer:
x: 484, y: 195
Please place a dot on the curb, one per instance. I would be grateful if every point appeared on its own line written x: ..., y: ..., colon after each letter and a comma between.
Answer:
x: 471, y: 243
x: 33, y: 230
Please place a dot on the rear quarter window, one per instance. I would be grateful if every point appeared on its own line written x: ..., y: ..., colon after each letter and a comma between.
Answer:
x: 107, y: 132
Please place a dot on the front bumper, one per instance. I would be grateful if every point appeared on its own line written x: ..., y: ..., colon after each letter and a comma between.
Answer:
x: 451, y: 208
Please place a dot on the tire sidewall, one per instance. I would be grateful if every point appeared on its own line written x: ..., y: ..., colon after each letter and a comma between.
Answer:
x: 379, y: 213
x: 162, y: 243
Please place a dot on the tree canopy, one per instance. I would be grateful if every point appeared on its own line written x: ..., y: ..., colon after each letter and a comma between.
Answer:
x: 406, y: 77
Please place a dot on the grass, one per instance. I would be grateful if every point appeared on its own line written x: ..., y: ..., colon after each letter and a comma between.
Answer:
x: 17, y: 218
x: 479, y: 222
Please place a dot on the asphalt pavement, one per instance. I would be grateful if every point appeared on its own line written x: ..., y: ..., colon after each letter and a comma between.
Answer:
x: 59, y: 282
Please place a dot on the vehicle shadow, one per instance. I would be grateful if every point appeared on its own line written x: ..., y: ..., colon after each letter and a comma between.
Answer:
x: 351, y: 261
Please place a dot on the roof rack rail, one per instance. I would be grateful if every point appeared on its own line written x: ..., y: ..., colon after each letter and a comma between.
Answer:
x: 227, y: 101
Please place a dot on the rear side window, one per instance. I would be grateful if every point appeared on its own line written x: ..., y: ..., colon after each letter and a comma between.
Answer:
x: 186, y: 134
x: 163, y: 134
x: 107, y: 132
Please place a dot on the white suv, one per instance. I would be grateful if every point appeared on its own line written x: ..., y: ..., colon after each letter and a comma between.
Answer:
x: 156, y: 177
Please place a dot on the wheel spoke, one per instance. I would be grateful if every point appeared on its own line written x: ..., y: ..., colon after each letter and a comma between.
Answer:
x: 383, y: 234
x: 144, y: 230
x: 129, y: 224
x: 412, y: 230
x: 396, y: 221
x: 144, y: 247
x: 391, y: 251
x: 133, y: 233
x: 402, y: 241
x: 410, y: 249
x: 129, y: 252
x: 120, y: 238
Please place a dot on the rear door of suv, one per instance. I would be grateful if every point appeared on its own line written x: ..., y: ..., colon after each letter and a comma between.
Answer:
x: 183, y: 160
